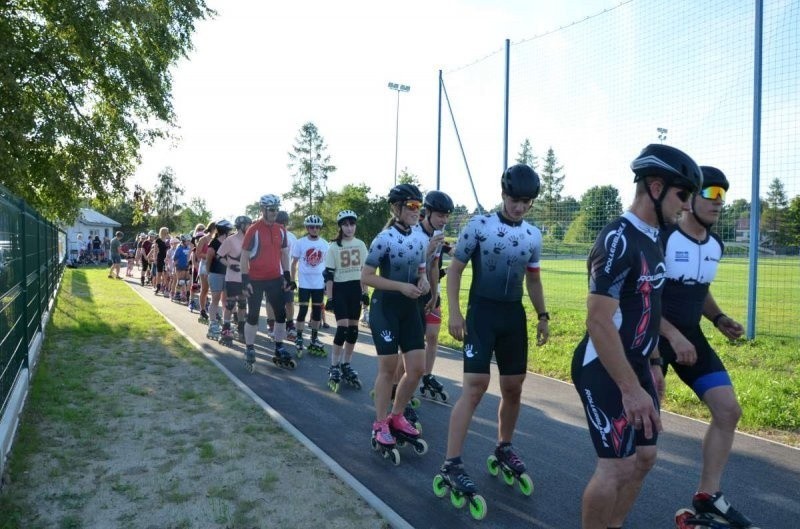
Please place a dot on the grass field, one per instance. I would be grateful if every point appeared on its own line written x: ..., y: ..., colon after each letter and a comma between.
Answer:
x: 764, y: 371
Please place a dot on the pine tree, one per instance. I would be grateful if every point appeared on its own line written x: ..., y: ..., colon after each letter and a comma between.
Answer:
x: 311, y: 166
x: 526, y: 156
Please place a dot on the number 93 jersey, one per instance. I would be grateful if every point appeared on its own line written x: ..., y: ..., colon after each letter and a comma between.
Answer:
x: 347, y: 260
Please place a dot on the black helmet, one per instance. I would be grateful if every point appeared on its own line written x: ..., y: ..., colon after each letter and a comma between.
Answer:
x: 282, y: 218
x: 520, y: 181
x: 713, y: 177
x: 403, y: 192
x: 242, y: 222
x: 224, y: 226
x: 673, y: 165
x: 438, y: 201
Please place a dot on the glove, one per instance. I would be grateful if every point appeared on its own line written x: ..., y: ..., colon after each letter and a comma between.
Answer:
x: 365, y: 299
x: 329, y: 305
x: 291, y: 285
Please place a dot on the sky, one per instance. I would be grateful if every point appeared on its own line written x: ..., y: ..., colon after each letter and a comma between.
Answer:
x: 260, y: 70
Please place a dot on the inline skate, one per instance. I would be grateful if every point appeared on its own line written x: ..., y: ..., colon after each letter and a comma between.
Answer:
x: 291, y: 333
x: 298, y: 344
x: 432, y: 388
x: 203, y: 317
x: 404, y: 432
x: 507, y: 461
x: 383, y: 442
x: 712, y: 511
x: 350, y: 375
x: 226, y: 338
x: 334, y: 378
x: 316, y: 348
x: 365, y: 317
x: 250, y: 358
x: 282, y: 357
x: 240, y: 332
x: 453, y: 478
x: 214, y: 330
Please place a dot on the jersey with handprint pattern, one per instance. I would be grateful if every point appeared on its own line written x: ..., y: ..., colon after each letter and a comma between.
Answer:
x: 397, y: 255
x: 501, y: 252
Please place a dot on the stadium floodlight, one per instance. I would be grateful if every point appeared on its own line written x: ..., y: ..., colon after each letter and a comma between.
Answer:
x: 397, y: 88
x: 662, y: 134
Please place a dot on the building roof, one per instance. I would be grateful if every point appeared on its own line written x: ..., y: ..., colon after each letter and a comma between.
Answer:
x: 91, y: 217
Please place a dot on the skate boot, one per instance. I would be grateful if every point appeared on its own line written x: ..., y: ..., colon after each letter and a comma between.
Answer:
x: 410, y: 414
x: 350, y: 375
x: 250, y: 358
x: 334, y: 378
x: 226, y: 338
x: 452, y: 477
x: 712, y: 511
x: 214, y: 330
x: 432, y: 388
x: 316, y: 348
x: 298, y: 344
x: 365, y: 318
x: 291, y: 333
x: 506, y: 460
x: 271, y: 329
x: 203, y: 317
x: 240, y: 332
x: 192, y: 305
x: 383, y: 441
x: 282, y: 357
x: 404, y: 432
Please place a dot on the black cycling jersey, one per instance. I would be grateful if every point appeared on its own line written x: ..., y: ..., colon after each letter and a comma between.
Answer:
x: 217, y: 267
x: 691, y: 267
x: 627, y: 264
x: 501, y: 252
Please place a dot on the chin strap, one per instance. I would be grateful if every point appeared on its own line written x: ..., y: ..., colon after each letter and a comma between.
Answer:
x: 706, y: 225
x: 657, y: 204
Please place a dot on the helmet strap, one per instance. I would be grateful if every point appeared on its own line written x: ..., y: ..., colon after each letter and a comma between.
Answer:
x: 706, y: 225
x: 657, y: 204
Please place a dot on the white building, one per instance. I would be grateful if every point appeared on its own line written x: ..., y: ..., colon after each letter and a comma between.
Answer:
x: 88, y: 224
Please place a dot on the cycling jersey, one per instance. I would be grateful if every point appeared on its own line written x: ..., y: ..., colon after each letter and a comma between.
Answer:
x: 398, y: 255
x: 691, y: 267
x: 310, y: 255
x: 265, y: 242
x: 626, y: 263
x: 346, y: 259
x: 501, y: 252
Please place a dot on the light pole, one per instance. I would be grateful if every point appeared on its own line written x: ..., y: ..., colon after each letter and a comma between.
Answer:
x: 397, y: 88
x: 662, y: 134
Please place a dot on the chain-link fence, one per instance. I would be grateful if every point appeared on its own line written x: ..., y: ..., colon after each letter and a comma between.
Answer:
x: 588, y: 97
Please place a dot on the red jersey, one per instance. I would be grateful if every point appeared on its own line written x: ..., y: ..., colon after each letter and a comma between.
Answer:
x: 265, y: 242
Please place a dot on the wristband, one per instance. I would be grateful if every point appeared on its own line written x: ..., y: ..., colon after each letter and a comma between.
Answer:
x: 657, y: 361
x: 544, y: 315
x: 718, y: 317
x: 287, y: 276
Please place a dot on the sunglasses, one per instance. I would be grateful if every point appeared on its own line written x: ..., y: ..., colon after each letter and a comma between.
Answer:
x: 683, y: 194
x: 413, y: 205
x: 713, y: 193
x: 272, y: 210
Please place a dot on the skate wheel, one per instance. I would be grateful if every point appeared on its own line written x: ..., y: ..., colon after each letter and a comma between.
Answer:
x: 421, y: 447
x: 395, y: 456
x: 401, y: 443
x: 372, y: 394
x: 299, y: 353
x: 291, y: 364
x: 439, y: 486
x: 457, y: 500
x: 508, y: 477
x: 682, y: 517
x: 525, y: 484
x: 275, y: 360
x: 444, y: 396
x: 477, y: 507
x: 357, y: 384
x: 415, y: 402
x: 374, y: 443
x: 493, y: 465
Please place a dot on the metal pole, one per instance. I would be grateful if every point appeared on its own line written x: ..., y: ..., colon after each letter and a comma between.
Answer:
x: 755, y: 202
x: 439, y: 136
x: 505, y: 118
x: 396, y: 136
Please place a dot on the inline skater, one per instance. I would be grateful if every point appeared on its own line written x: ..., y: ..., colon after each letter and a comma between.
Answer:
x: 693, y: 252
x: 201, y: 251
x: 162, y: 245
x: 147, y: 246
x: 181, y: 260
x: 308, y: 264
x: 394, y: 315
x: 346, y: 293
x: 216, y: 277
x: 265, y: 270
x: 231, y: 253
x: 611, y: 367
x: 496, y: 321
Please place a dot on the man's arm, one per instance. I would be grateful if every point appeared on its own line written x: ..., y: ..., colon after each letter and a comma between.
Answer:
x: 731, y: 328
x: 638, y: 404
x: 685, y: 351
x: 533, y: 284
x: 455, y: 324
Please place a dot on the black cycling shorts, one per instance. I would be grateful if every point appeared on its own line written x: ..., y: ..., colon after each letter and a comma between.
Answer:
x: 708, y: 372
x: 395, y: 323
x: 499, y: 328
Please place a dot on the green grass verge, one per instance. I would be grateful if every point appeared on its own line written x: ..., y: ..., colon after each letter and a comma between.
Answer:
x: 764, y: 370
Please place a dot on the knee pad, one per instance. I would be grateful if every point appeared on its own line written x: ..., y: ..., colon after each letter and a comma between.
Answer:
x: 230, y: 303
x: 352, y: 334
x: 302, y: 311
x: 316, y: 312
x: 339, y: 337
x: 181, y: 282
x: 241, y: 303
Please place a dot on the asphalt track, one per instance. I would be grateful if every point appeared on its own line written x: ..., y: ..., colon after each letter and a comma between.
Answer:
x: 762, y: 478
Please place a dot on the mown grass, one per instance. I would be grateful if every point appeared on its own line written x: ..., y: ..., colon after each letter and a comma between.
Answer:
x: 764, y: 370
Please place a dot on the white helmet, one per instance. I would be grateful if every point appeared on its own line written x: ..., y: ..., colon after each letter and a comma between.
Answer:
x: 270, y: 201
x: 224, y: 226
x: 346, y: 214
x: 313, y: 220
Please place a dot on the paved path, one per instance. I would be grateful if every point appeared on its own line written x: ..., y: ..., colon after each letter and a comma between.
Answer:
x: 762, y: 478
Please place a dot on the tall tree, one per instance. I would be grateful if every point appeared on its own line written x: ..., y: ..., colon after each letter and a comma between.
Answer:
x: 311, y: 166
x: 793, y: 221
x: 773, y: 218
x: 525, y: 154
x: 552, y: 186
x: 194, y: 213
x: 167, y: 199
x: 599, y: 206
x: 83, y: 85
